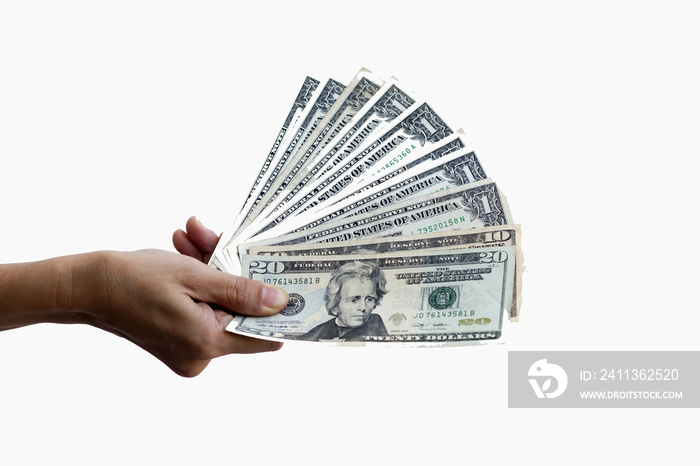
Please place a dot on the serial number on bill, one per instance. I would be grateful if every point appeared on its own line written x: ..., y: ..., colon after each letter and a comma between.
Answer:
x: 452, y: 314
x: 293, y: 281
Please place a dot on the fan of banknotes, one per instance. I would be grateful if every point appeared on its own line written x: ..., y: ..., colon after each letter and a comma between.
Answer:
x: 377, y: 218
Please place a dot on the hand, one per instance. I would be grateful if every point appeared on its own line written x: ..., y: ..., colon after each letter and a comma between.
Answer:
x: 158, y: 300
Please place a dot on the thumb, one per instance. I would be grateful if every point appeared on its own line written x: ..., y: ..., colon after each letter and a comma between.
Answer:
x: 238, y: 294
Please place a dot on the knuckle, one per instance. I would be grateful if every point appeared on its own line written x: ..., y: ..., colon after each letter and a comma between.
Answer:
x: 242, y: 292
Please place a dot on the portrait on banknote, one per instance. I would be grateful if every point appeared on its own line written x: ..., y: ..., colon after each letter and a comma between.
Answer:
x: 353, y: 292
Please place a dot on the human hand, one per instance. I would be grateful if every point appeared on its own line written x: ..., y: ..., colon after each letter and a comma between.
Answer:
x: 158, y: 300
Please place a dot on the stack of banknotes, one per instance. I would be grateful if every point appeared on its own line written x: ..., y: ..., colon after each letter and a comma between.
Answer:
x: 378, y: 219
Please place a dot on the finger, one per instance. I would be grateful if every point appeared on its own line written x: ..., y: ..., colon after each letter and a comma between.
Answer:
x: 226, y: 342
x: 238, y: 294
x: 240, y: 344
x: 184, y: 245
x: 201, y: 236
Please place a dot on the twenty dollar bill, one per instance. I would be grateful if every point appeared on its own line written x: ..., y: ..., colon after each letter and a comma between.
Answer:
x: 406, y: 296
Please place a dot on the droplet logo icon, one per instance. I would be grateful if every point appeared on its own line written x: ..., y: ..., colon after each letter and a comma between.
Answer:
x: 544, y: 372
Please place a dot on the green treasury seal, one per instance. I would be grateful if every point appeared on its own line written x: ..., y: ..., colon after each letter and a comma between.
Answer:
x: 442, y: 297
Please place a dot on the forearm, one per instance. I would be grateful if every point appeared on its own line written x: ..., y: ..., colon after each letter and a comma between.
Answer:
x: 54, y: 290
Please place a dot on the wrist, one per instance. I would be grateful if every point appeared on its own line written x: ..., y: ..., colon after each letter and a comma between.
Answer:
x: 59, y: 290
x: 85, y: 295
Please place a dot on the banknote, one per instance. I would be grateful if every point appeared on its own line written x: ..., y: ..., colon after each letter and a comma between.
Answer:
x: 302, y: 99
x: 419, y: 131
x: 443, y: 168
x: 313, y: 114
x: 477, y: 204
x: 380, y: 222
x: 449, y: 296
x: 357, y: 93
x: 314, y: 111
x: 308, y: 87
x: 387, y: 104
x: 389, y: 107
x: 502, y: 235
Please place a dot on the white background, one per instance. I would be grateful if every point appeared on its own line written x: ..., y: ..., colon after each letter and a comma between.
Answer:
x: 119, y: 120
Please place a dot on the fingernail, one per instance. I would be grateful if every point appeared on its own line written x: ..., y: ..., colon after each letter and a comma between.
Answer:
x: 274, y: 298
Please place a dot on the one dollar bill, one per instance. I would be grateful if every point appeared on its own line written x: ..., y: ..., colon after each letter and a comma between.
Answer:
x: 474, y: 205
